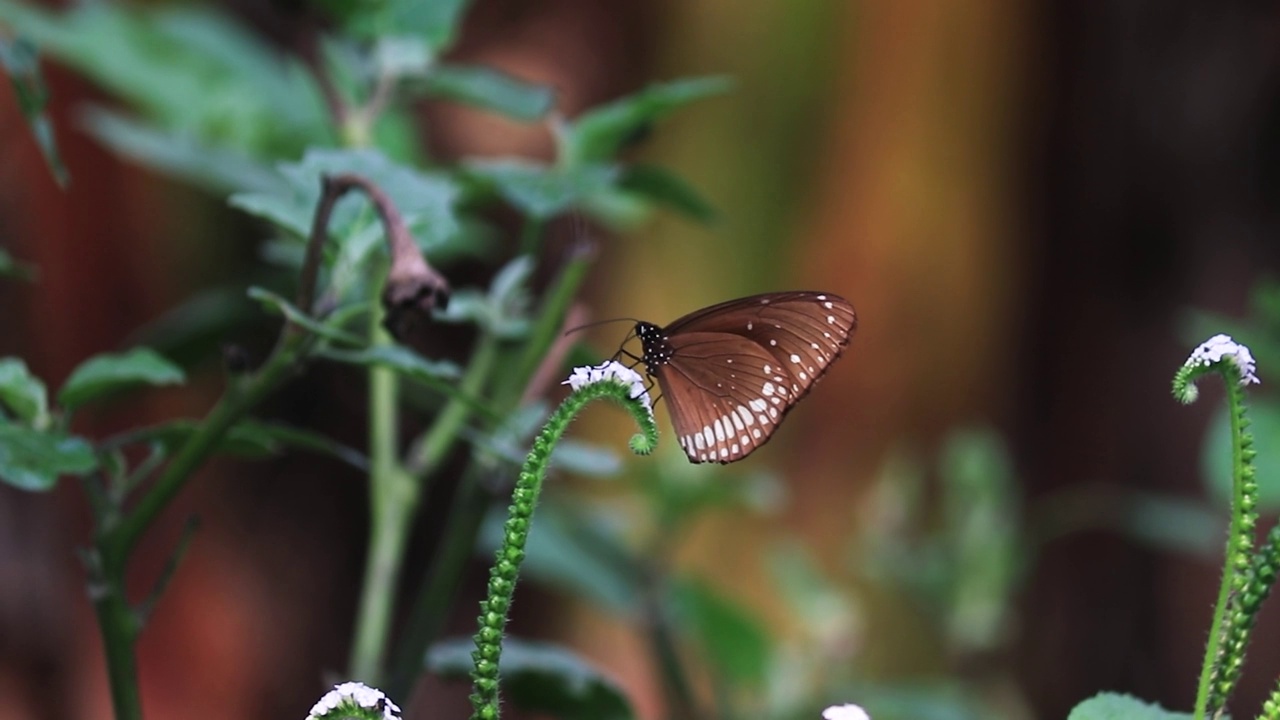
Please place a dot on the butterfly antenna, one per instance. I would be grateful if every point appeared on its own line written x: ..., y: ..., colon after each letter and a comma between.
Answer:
x: 572, y: 330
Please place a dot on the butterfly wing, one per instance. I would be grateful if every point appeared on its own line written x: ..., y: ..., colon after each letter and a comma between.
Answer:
x: 721, y: 395
x: 804, y: 331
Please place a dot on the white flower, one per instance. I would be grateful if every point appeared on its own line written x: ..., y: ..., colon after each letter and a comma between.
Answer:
x: 1218, y: 347
x: 355, y: 694
x: 611, y: 370
x: 845, y: 712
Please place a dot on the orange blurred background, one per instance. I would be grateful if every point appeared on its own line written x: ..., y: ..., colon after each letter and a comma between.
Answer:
x: 1020, y: 199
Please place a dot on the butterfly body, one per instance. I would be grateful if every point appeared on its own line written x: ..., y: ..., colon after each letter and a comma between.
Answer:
x: 731, y: 372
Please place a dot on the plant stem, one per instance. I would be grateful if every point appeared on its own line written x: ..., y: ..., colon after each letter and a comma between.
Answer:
x: 393, y: 497
x: 119, y: 627
x: 1213, y: 649
x: 430, y: 451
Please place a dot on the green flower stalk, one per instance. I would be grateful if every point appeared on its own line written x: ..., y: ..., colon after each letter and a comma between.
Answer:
x: 1239, y: 596
x: 610, y: 380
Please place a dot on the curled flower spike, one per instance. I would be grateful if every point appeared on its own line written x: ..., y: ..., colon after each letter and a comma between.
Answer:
x: 1209, y: 356
x: 611, y: 370
x: 354, y: 700
x: 845, y: 712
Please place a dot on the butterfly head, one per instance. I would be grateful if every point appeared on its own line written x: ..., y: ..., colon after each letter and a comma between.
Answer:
x: 657, y: 351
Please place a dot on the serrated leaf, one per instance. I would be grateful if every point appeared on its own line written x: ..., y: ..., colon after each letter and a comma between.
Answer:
x: 540, y: 678
x: 18, y: 59
x: 598, y: 134
x: 1115, y: 706
x: 489, y: 89
x: 538, y: 190
x: 732, y: 640
x: 23, y: 393
x: 659, y: 185
x: 34, y: 460
x: 108, y: 373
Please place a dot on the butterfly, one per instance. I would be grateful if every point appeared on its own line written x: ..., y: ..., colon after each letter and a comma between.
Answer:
x: 731, y: 372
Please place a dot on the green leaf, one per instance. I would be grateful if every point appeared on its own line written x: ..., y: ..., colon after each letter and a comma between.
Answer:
x: 250, y: 439
x: 23, y: 393
x: 303, y: 320
x: 9, y: 267
x: 425, y: 202
x: 105, y: 374
x: 540, y: 678
x: 1114, y: 706
x: 1215, y: 458
x: 504, y: 310
x: 399, y: 358
x: 732, y: 640
x: 489, y: 89
x: 436, y: 21
x: 218, y: 169
x: 538, y: 190
x: 34, y: 460
x: 663, y: 187
x: 18, y: 58
x: 186, y: 68
x: 598, y: 134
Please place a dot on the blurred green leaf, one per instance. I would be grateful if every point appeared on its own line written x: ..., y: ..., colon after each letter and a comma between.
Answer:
x: 23, y: 393
x: 401, y: 56
x: 490, y: 89
x: 178, y: 153
x: 1114, y: 706
x: 425, y: 201
x: 664, y: 187
x: 9, y: 267
x: 19, y: 61
x: 187, y: 68
x: 576, y: 551
x: 399, y: 358
x: 34, y: 460
x: 538, y: 190
x: 250, y: 439
x: 108, y: 373
x: 731, y: 639
x: 981, y: 532
x: 294, y: 315
x: 504, y: 309
x: 540, y: 678
x: 436, y: 21
x: 584, y: 458
x: 1215, y: 457
x: 598, y: 134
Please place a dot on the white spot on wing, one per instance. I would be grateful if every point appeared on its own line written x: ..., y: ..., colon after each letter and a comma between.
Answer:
x: 745, y: 414
x: 767, y: 389
x: 758, y: 405
x: 828, y: 305
x: 737, y: 421
x: 724, y: 452
x: 773, y: 342
x: 768, y: 369
x: 719, y: 431
x: 795, y: 358
x: 708, y: 436
x: 773, y: 412
x: 755, y: 433
x: 697, y: 441
x: 831, y: 319
x: 803, y: 376
x: 734, y: 449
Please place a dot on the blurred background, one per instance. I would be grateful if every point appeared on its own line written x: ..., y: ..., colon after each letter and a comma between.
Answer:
x: 1038, y: 210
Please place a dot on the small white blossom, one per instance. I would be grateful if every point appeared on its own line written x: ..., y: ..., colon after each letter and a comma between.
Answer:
x: 357, y: 694
x: 845, y: 712
x: 1218, y: 347
x: 611, y: 370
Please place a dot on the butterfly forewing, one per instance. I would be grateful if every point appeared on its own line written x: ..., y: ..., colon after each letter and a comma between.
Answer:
x: 732, y: 371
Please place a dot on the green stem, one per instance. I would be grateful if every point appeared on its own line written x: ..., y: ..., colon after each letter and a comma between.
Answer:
x: 440, y: 582
x: 524, y: 499
x: 1209, y: 699
x: 435, y: 443
x: 531, y: 236
x: 393, y: 497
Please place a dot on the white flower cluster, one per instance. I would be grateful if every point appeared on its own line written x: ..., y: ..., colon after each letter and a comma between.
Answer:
x: 358, y: 694
x: 611, y: 370
x: 845, y: 712
x: 1220, y: 347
